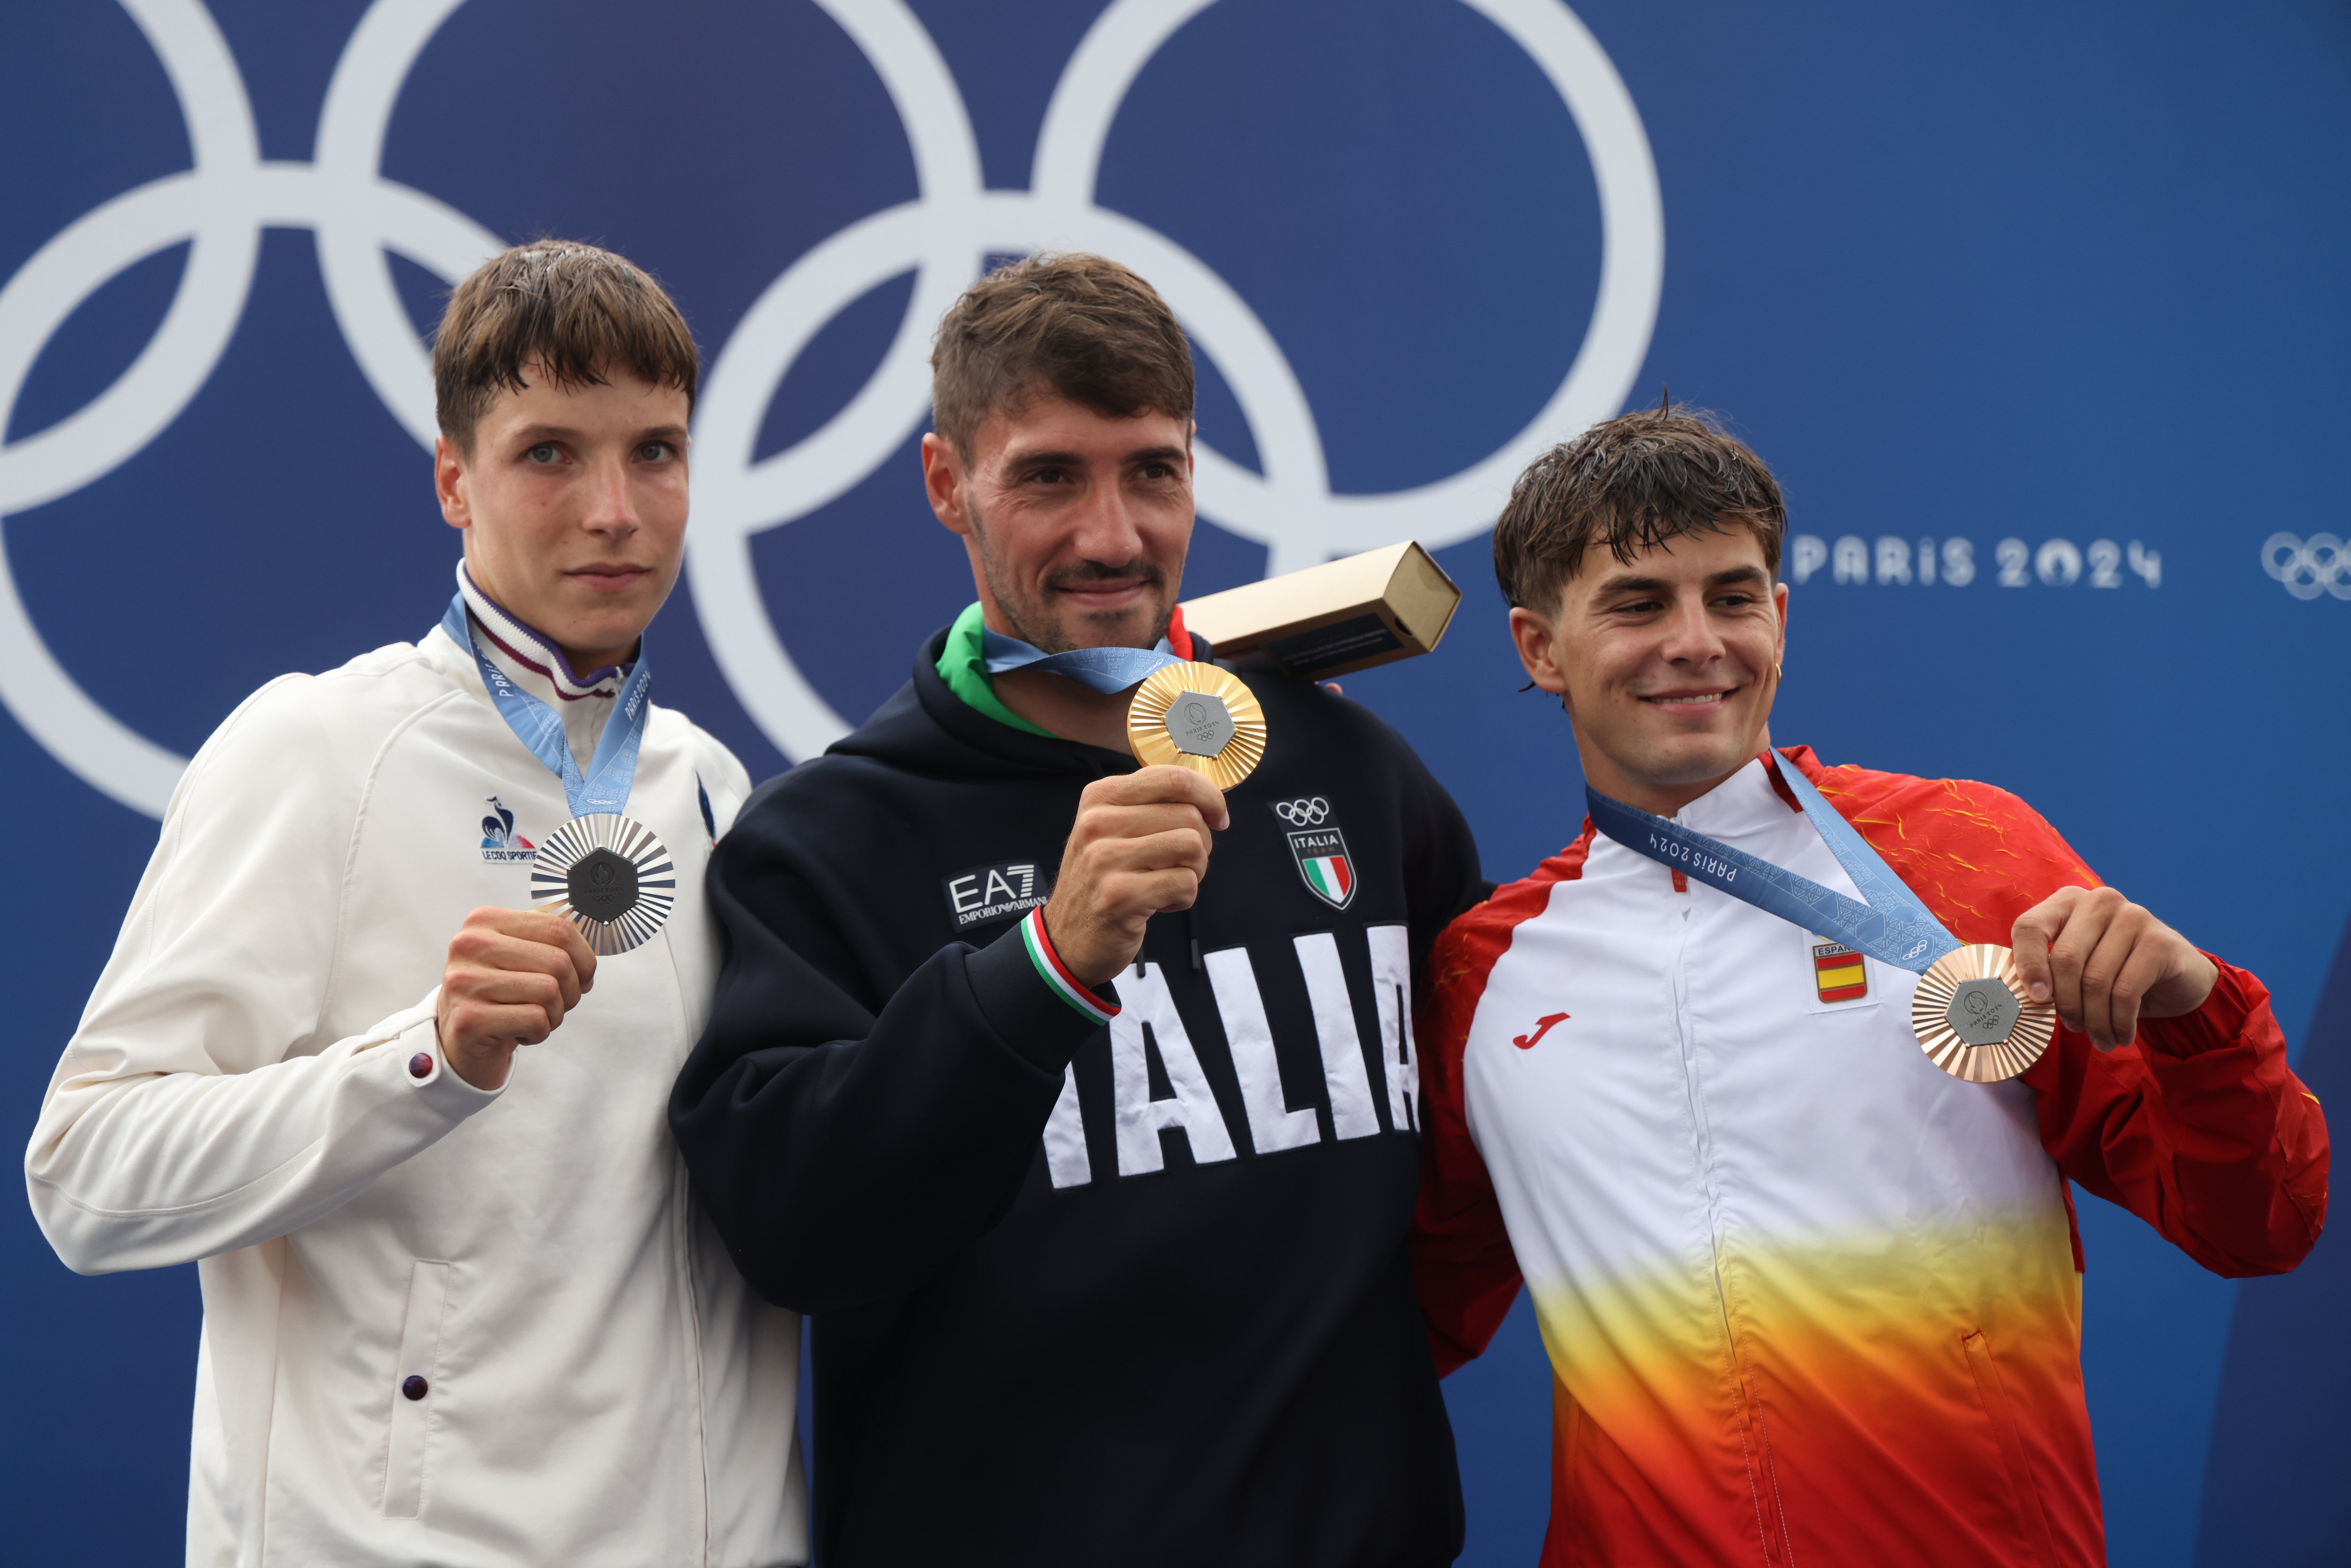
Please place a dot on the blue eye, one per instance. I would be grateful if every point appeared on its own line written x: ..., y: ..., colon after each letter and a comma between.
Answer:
x: 542, y: 453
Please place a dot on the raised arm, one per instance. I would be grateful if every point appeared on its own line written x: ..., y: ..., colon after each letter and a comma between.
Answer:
x: 2195, y: 1123
x: 847, y: 1151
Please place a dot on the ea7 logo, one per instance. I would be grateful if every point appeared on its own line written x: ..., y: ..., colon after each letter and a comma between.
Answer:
x: 1322, y: 856
x: 994, y: 893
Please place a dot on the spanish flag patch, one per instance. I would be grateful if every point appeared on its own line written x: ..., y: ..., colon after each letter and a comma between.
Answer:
x: 1838, y: 971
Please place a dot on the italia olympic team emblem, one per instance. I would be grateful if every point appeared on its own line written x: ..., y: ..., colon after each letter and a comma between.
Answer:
x: 1322, y: 857
x: 944, y: 235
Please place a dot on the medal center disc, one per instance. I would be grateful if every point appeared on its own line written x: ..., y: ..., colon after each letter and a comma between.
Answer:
x: 1983, y: 1012
x: 601, y: 884
x: 1199, y: 724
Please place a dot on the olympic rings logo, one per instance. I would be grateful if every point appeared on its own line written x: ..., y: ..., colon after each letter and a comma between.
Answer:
x: 943, y: 236
x: 1303, y: 813
x: 2308, y: 568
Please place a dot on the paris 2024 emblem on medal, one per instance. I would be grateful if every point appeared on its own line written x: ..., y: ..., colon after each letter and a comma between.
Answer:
x: 1973, y: 1018
x: 610, y: 876
x: 1198, y: 716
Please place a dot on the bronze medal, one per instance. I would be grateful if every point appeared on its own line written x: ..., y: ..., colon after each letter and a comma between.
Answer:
x: 1198, y: 716
x: 1973, y: 1018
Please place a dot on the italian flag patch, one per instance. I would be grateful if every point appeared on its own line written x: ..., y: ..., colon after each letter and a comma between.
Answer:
x: 1322, y: 856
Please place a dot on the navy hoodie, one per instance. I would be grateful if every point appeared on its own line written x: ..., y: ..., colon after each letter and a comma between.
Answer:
x: 1135, y: 1295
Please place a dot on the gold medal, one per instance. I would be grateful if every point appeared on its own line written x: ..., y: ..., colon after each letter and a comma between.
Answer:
x: 1973, y: 1020
x: 1198, y: 716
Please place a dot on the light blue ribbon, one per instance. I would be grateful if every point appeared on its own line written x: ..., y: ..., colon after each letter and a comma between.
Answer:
x: 613, y: 768
x: 1895, y: 926
x: 1105, y: 670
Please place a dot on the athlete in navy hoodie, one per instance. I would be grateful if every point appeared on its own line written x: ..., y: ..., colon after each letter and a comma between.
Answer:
x: 1090, y: 1149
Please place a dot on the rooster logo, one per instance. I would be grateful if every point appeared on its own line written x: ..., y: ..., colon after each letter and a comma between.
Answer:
x: 498, y: 830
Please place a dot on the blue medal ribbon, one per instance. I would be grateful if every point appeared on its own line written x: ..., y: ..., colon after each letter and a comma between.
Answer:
x: 1894, y: 926
x: 613, y: 768
x: 1105, y: 670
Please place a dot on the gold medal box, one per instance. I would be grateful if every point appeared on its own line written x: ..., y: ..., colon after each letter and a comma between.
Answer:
x: 1330, y: 620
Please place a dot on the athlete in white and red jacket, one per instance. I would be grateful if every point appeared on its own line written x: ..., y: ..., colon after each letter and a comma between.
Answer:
x: 1807, y: 1299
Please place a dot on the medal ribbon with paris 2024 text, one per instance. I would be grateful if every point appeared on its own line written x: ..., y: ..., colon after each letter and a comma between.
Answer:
x: 604, y: 787
x: 1104, y: 670
x: 1894, y: 926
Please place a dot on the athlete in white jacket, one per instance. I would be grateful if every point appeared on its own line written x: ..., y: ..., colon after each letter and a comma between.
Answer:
x: 458, y: 1308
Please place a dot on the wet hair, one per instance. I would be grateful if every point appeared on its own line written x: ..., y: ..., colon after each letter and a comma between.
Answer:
x: 1631, y: 483
x: 572, y: 312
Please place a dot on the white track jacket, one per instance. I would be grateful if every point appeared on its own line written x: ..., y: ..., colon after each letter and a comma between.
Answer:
x: 258, y: 1084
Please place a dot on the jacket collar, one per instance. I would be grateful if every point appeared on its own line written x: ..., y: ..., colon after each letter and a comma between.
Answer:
x: 1750, y: 800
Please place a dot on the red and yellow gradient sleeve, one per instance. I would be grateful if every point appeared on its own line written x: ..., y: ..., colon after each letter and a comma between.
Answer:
x: 2199, y: 1126
x: 1462, y: 1266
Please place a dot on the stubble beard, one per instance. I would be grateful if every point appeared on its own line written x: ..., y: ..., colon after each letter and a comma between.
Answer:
x: 1032, y: 617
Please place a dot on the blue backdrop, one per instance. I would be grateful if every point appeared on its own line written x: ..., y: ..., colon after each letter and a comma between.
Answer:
x: 2047, y: 295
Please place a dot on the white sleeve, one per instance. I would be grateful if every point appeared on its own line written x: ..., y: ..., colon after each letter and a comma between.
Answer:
x: 194, y: 1111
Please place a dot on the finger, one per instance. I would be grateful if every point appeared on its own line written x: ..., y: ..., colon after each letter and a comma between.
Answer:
x: 2101, y: 962
x: 2086, y: 926
x: 1163, y: 782
x: 1166, y: 891
x: 541, y: 927
x: 475, y: 1027
x: 2141, y: 972
x: 574, y: 943
x: 2031, y: 937
x: 517, y: 987
x: 489, y: 950
x: 1141, y: 822
x: 1180, y: 848
x: 2068, y: 947
x: 550, y: 929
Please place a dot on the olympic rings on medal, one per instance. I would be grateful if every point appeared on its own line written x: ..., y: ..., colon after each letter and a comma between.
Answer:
x: 2320, y: 564
x: 1303, y: 813
x: 943, y: 237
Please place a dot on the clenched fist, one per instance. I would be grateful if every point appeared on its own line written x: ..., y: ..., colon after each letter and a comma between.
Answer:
x: 512, y: 974
x: 1140, y: 846
x: 2107, y: 963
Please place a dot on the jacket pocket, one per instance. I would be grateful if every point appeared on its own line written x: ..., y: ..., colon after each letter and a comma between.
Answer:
x: 415, y: 1387
x: 2032, y: 1521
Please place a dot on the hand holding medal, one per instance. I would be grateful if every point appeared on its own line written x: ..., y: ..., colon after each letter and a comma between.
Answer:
x: 1142, y: 841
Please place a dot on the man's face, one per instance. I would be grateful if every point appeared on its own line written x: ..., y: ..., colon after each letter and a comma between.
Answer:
x: 1668, y: 665
x: 573, y: 503
x: 1076, y: 522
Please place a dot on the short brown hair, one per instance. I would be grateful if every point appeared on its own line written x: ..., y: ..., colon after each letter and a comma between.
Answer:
x: 1632, y: 484
x: 1076, y: 326
x: 572, y: 311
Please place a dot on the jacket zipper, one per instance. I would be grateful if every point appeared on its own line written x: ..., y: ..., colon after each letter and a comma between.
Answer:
x: 1752, y: 1450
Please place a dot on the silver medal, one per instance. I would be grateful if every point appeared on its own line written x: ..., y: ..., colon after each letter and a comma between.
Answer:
x: 611, y: 876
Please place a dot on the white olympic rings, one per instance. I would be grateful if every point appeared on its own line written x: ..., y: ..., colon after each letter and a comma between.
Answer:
x: 1303, y: 813
x: 2308, y: 568
x: 942, y: 236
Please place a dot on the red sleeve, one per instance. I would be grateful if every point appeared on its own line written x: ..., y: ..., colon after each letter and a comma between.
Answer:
x: 2197, y: 1126
x: 1462, y: 1265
